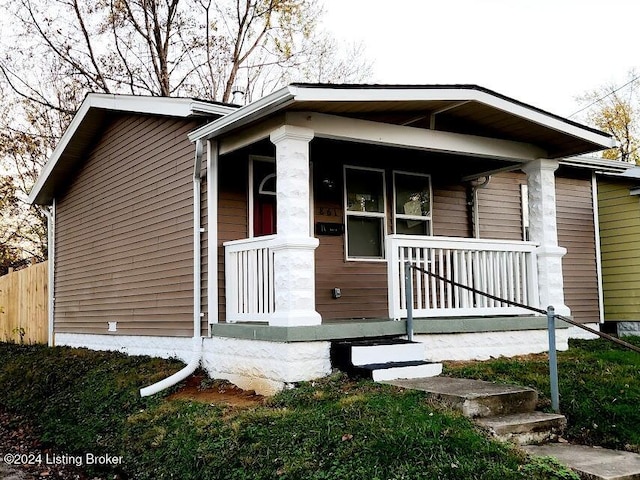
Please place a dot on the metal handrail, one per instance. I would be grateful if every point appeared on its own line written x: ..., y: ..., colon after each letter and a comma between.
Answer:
x: 549, y: 312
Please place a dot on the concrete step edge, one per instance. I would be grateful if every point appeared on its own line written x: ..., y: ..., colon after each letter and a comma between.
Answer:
x: 524, y: 422
x: 409, y: 371
x: 401, y: 352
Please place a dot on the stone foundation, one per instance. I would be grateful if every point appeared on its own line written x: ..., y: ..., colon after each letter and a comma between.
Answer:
x: 628, y: 329
x: 265, y: 367
x: 486, y: 345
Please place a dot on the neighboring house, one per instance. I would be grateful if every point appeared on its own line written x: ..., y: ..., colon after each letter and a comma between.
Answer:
x: 619, y: 216
x: 285, y: 225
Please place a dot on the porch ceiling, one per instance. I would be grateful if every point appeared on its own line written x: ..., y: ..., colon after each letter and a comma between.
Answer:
x: 472, y: 118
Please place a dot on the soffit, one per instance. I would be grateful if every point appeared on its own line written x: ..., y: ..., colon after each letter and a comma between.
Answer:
x: 471, y: 117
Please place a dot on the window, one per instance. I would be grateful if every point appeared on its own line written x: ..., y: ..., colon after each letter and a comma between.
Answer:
x: 364, y: 212
x: 412, y: 203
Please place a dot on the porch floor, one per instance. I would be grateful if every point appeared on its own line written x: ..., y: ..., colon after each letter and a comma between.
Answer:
x: 377, y: 327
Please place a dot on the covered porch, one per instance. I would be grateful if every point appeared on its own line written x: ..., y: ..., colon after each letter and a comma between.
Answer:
x: 353, y: 181
x: 355, y: 144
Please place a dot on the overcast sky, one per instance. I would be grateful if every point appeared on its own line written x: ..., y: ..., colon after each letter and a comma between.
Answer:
x: 542, y: 52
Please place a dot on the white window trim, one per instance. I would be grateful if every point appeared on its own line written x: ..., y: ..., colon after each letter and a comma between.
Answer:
x: 254, y: 158
x: 347, y: 213
x: 397, y: 216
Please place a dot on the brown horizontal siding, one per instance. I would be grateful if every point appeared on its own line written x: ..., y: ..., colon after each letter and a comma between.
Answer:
x: 124, y: 244
x: 450, y: 210
x: 500, y: 207
x: 232, y: 214
x: 576, y: 233
x: 363, y: 284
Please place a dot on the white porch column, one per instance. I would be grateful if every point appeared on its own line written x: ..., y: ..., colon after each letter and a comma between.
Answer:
x: 294, y: 268
x: 543, y: 230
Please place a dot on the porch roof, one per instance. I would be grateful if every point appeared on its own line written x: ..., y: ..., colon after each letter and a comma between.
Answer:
x: 462, y: 109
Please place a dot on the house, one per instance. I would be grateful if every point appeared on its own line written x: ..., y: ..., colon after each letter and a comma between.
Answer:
x: 247, y: 239
x: 619, y: 219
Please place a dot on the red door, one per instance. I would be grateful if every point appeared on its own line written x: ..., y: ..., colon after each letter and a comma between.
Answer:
x: 264, y: 215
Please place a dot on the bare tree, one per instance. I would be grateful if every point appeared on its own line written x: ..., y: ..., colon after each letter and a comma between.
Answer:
x: 55, y: 51
x: 158, y: 47
x: 22, y: 154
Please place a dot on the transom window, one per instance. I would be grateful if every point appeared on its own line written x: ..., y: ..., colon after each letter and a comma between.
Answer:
x: 365, y: 211
x: 412, y: 203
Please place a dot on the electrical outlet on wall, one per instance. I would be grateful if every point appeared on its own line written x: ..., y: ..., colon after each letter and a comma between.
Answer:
x: 113, y: 327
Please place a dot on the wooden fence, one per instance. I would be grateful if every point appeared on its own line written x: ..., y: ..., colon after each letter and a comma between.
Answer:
x: 23, y: 305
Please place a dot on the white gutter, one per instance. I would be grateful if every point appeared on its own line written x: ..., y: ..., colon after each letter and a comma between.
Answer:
x: 51, y: 260
x: 197, y: 300
x: 601, y: 165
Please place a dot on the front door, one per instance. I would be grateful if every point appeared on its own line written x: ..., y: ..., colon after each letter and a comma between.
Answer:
x: 264, y: 197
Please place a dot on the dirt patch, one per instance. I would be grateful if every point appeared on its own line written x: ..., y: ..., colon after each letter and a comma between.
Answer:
x: 198, y: 388
x: 19, y: 441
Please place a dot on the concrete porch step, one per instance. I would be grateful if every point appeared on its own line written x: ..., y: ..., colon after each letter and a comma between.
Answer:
x: 376, y: 351
x: 383, y: 359
x: 475, y: 398
x: 592, y: 463
x: 383, y: 372
x: 526, y: 428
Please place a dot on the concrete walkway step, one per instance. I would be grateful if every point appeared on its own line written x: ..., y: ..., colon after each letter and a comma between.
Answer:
x: 475, y: 398
x: 526, y: 428
x: 592, y: 463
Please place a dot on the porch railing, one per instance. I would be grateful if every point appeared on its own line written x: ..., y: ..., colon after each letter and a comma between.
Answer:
x: 250, y: 289
x: 501, y: 268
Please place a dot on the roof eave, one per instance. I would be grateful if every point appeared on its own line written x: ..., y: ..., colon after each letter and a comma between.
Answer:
x: 174, y: 107
x: 599, y: 165
x: 244, y: 115
x: 299, y: 93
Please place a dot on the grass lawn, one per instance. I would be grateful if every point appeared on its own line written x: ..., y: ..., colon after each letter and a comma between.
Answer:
x: 87, y: 402
x: 599, y: 388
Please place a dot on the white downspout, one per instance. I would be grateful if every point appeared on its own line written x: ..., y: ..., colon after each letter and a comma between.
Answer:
x: 475, y: 208
x: 50, y: 213
x: 197, y: 301
x: 212, y: 232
